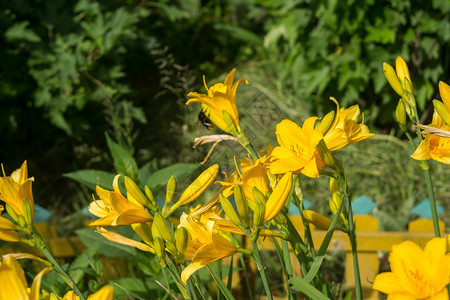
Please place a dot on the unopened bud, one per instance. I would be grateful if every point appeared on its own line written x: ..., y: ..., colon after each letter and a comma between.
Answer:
x: 229, y: 210
x: 400, y: 115
x: 149, y: 194
x: 280, y: 219
x: 181, y: 239
x: 11, y: 213
x: 162, y: 230
x: 170, y: 245
x: 258, y: 196
x: 393, y: 80
x: 316, y: 219
x: 241, y: 204
x: 258, y: 214
x: 158, y: 246
x: 326, y: 122
x: 403, y: 74
x: 27, y: 212
x: 144, y: 232
x: 171, y: 185
x: 134, y: 194
x: 442, y: 111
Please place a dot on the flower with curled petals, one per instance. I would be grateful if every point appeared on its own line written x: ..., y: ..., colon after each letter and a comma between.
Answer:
x: 416, y: 273
x: 115, y: 209
x: 219, y: 105
x: 297, y: 152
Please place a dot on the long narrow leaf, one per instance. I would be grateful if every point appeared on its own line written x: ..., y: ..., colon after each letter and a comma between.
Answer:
x: 300, y: 285
x: 220, y: 284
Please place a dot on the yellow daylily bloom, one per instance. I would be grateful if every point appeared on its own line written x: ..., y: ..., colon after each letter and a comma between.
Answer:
x: 443, y: 108
x: 14, y: 284
x: 204, y: 245
x: 120, y: 239
x: 219, y: 105
x: 345, y: 129
x: 278, y: 197
x: 17, y: 187
x: 434, y: 146
x: 115, y: 209
x: 416, y: 273
x: 297, y: 152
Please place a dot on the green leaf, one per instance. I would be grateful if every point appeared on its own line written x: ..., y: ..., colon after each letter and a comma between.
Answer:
x: 239, y: 33
x: 124, y: 162
x: 110, y: 249
x: 180, y: 171
x: 300, y: 285
x: 92, y: 178
x: 136, y: 288
x: 19, y: 31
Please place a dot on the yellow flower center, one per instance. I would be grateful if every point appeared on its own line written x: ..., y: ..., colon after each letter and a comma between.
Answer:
x: 421, y: 284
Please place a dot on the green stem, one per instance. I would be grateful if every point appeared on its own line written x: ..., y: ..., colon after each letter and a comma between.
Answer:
x: 288, y: 265
x: 352, y: 236
x: 247, y: 145
x: 219, y: 270
x: 247, y: 281
x: 261, y: 270
x: 61, y: 272
x: 434, y: 215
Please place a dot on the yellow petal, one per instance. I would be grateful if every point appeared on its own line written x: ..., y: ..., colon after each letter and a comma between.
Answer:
x: 36, y: 286
x: 444, y: 90
x: 189, y: 270
x: 131, y: 216
x: 120, y: 239
x: 402, y: 70
x: 12, y: 277
x: 70, y: 295
x: 9, y: 236
x: 421, y: 152
x: 388, y: 283
x: 105, y: 293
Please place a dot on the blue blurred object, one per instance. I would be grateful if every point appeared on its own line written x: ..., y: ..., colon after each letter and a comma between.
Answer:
x: 423, y: 209
x: 293, y: 210
x: 41, y: 214
x: 363, y: 205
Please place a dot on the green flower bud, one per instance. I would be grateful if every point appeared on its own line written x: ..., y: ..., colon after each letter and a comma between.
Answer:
x: 229, y: 210
x: 181, y: 239
x: 400, y: 114
x: 241, y: 204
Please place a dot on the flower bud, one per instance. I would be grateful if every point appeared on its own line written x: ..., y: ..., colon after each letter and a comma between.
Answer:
x: 170, y: 245
x: 162, y: 230
x: 400, y: 114
x: 326, y: 122
x: 258, y: 196
x: 229, y: 210
x: 258, y: 214
x: 27, y: 212
x: 134, y: 194
x: 158, y: 246
x: 144, y: 232
x: 181, y: 239
x: 393, y: 80
x: 241, y: 204
x: 442, y: 111
x: 11, y: 213
x: 403, y: 74
x: 171, y: 185
x: 316, y: 219
x: 149, y: 194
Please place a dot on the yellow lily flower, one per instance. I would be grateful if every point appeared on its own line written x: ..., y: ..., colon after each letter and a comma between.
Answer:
x: 15, y: 188
x: 204, y: 245
x: 345, y: 129
x: 298, y: 149
x: 220, y: 101
x: 403, y: 74
x: 416, y: 273
x: 434, y: 146
x: 115, y: 209
x: 105, y: 293
x: 14, y: 283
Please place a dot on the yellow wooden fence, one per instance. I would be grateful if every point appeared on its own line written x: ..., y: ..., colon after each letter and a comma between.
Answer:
x: 370, y: 242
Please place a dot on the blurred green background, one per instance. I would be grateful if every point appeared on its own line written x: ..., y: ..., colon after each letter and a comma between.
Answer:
x: 73, y: 70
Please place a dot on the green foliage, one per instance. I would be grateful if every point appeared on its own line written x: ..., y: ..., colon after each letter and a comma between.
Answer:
x: 336, y: 48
